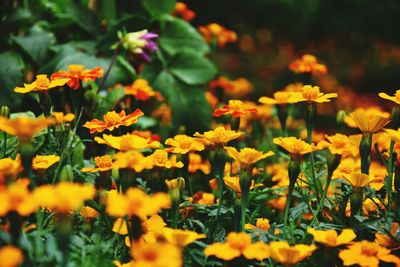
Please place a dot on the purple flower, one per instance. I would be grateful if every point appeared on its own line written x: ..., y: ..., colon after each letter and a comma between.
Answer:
x: 141, y: 43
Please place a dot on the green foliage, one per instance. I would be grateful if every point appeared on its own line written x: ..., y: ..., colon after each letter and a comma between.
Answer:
x: 158, y: 8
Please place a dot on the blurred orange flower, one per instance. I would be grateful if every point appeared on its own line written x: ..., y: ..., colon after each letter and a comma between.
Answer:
x: 77, y: 73
x: 216, y: 32
x: 308, y: 64
x: 140, y: 89
x: 181, y: 10
x: 235, y: 107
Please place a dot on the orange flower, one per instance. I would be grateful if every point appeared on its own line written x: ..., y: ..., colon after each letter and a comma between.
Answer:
x: 160, y: 159
x: 330, y: 238
x: 232, y: 88
x: 140, y: 89
x: 11, y: 256
x: 387, y: 241
x: 180, y: 238
x: 127, y: 142
x: 339, y: 144
x: 182, y: 144
x: 369, y: 120
x: 280, y: 98
x: 181, y: 10
x: 88, y: 213
x: 9, y: 168
x: 132, y: 160
x: 113, y: 120
x: 41, y: 84
x: 103, y: 163
x: 358, y: 180
x: 216, y: 32
x: 295, y: 146
x: 218, y: 137
x: 395, y: 98
x: 367, y: 254
x: 233, y: 183
x: 41, y: 163
x: 287, y: 255
x: 308, y: 64
x: 235, y: 108
x: 261, y: 223
x: 24, y: 127
x: 195, y: 163
x: 60, y: 117
x: 77, y: 73
x: 312, y: 94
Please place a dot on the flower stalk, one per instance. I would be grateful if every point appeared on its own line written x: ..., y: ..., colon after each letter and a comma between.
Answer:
x: 293, y: 171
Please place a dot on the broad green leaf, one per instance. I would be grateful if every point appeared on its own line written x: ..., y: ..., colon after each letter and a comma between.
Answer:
x: 177, y: 34
x: 192, y: 68
x: 107, y: 10
x: 11, y: 75
x: 157, y: 8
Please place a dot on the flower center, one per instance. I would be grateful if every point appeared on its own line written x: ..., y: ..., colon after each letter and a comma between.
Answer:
x: 239, y: 242
x: 126, y: 143
x: 112, y: 118
x: 263, y: 224
x: 331, y: 237
x: 310, y: 92
x: 150, y: 254
x: 42, y: 82
x: 75, y: 68
x: 397, y: 95
x: 103, y: 161
x: 369, y: 250
x: 160, y: 156
x: 185, y: 144
x: 296, y: 147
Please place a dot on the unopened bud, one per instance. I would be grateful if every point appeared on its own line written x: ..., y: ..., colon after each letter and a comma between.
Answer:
x: 294, y: 170
x: 5, y: 111
x: 356, y: 201
x: 340, y: 117
x: 67, y: 174
x: 178, y: 183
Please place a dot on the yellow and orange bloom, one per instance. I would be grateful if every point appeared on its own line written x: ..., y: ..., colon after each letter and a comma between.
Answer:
x: 358, y: 180
x: 283, y: 253
x: 160, y: 159
x: 17, y: 197
x: 156, y: 254
x: 183, y: 144
x: 180, y: 238
x: 247, y: 156
x: 232, y: 88
x: 234, y: 184
x: 140, y: 89
x: 218, y: 33
x: 60, y: 117
x: 387, y: 241
x: 312, y: 94
x: 204, y: 198
x: 113, y: 120
x: 127, y: 142
x: 280, y: 98
x: 77, y: 73
x: 89, y: 213
x: 181, y: 10
x: 131, y: 159
x: 308, y: 64
x: 393, y: 134
x: 235, y: 108
x: 24, y: 127
x: 9, y: 168
x: 367, y: 254
x: 369, y: 120
x: 196, y: 163
x: 395, y: 98
x: 218, y: 137
x: 261, y: 223
x: 339, y: 144
x: 331, y: 238
x: 236, y: 245
x: 42, y: 163
x: 103, y: 163
x: 11, y: 256
x: 295, y: 146
x: 41, y: 84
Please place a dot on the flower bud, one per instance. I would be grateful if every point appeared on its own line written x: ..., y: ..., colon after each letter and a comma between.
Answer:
x: 293, y: 170
x: 365, y: 150
x: 5, y: 111
x: 340, y: 117
x: 67, y: 174
x: 333, y: 161
x: 245, y: 182
x: 178, y: 183
x: 356, y: 201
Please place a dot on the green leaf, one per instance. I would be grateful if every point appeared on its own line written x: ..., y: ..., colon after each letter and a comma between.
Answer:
x: 192, y: 68
x: 107, y: 10
x: 35, y: 45
x: 11, y: 75
x: 177, y: 34
x: 157, y: 8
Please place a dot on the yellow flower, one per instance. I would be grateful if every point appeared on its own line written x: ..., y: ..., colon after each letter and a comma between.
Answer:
x: 177, y: 183
x: 331, y: 238
x: 367, y: 254
x: 11, y: 256
x: 283, y: 253
x: 387, y: 241
x: 339, y: 144
x: 103, y: 163
x: 236, y: 245
x: 60, y: 117
x: 218, y: 137
x: 113, y: 120
x: 206, y: 199
x: 135, y: 202
x: 42, y: 83
x: 140, y: 89
x: 312, y: 94
x: 395, y: 98
x: 346, y: 167
x: 24, y: 127
x: 132, y: 160
x: 280, y: 98
x: 77, y: 73
x: 261, y: 223
x: 393, y: 134
x: 9, y: 168
x: 307, y: 64
x: 358, y: 180
x: 235, y: 108
x: 127, y: 142
x: 195, y: 163
x: 41, y: 163
x: 88, y: 213
x: 247, y: 156
x: 233, y: 183
x: 180, y: 238
x: 156, y: 254
x: 369, y: 120
x: 182, y: 144
x: 295, y: 146
x: 17, y: 197
x: 160, y: 159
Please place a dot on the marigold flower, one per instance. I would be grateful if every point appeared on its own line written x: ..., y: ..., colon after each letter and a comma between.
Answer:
x: 113, y: 120
x: 312, y: 94
x: 88, y: 213
x: 218, y: 137
x: 236, y: 245
x: 247, y: 156
x: 358, y: 180
x: 261, y: 223
x: 132, y: 160
x: 387, y: 241
x: 367, y: 254
x: 204, y: 198
x: 307, y: 64
x: 180, y: 238
x: 41, y: 163
x: 156, y: 254
x: 395, y: 98
x: 282, y: 252
x: 181, y: 10
x: 103, y: 163
x: 159, y: 158
x: 9, y: 168
x: 77, y: 73
x: 140, y: 43
x: 42, y: 83
x: 11, y: 256
x: 294, y: 146
x: 339, y: 144
x: 369, y: 120
x: 177, y: 183
x: 235, y: 108
x: 233, y: 183
x: 217, y: 32
x: 331, y: 238
x: 140, y: 89
x: 280, y: 98
x: 163, y: 113
x: 393, y: 134
x: 196, y: 163
x: 17, y: 197
x: 127, y: 142
x: 232, y: 88
x: 24, y: 127
x: 183, y: 144
x: 60, y: 117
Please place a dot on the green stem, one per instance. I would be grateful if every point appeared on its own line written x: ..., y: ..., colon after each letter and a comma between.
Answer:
x: 4, y: 144
x: 314, y: 179
x: 175, y: 216
x: 243, y: 201
x: 389, y: 178
x: 321, y: 203
x: 288, y: 200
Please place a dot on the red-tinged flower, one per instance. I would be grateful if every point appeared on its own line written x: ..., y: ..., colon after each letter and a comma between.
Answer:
x: 113, y: 120
x: 308, y: 64
x: 181, y: 10
x: 140, y: 89
x: 218, y: 33
x: 235, y: 107
x: 77, y: 73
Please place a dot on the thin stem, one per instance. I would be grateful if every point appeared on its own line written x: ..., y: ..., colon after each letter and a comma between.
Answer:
x: 243, y: 202
x: 288, y: 200
x: 314, y: 179
x: 321, y: 203
x: 4, y: 144
x: 389, y: 178
x: 114, y: 57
